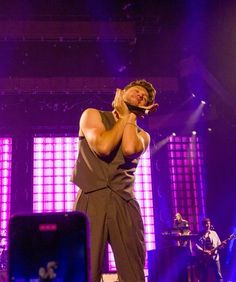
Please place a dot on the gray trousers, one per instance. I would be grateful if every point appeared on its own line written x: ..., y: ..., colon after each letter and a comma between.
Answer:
x: 211, y: 267
x: 114, y: 220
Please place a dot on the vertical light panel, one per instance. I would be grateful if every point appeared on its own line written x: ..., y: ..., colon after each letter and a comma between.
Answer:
x: 54, y: 158
x: 5, y: 186
x: 143, y: 193
x: 187, y: 180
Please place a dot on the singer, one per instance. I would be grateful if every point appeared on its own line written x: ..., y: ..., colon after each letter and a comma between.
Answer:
x: 110, y: 146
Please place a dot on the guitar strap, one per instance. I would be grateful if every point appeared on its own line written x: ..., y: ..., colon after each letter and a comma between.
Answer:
x: 207, y: 242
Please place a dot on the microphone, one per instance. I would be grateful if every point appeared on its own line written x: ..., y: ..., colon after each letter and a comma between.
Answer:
x: 137, y: 110
x: 212, y: 227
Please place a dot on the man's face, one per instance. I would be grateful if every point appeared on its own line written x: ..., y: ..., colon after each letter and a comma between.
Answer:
x: 136, y: 95
x: 207, y: 225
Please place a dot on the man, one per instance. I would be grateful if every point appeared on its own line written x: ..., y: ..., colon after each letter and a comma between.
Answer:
x: 209, y: 260
x: 109, y: 148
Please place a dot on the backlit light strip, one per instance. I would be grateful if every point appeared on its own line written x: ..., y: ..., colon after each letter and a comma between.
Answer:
x: 5, y: 187
x: 187, y: 181
x: 54, y: 158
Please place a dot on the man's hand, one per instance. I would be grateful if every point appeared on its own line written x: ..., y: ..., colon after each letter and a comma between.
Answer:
x: 207, y: 252
x: 119, y: 104
x: 141, y: 111
x: 151, y: 108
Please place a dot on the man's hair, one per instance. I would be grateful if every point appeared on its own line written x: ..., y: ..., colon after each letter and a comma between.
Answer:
x: 205, y: 220
x: 147, y: 85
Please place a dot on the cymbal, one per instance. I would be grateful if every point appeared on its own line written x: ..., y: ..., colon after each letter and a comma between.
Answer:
x: 2, y: 237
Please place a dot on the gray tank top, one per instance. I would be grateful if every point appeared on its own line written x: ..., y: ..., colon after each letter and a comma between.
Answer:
x: 92, y: 172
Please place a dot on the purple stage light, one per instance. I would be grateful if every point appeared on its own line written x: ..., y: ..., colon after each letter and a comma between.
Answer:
x: 187, y: 183
x: 54, y: 158
x: 5, y: 186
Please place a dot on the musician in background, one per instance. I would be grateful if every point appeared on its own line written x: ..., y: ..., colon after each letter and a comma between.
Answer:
x: 181, y: 226
x: 209, y: 260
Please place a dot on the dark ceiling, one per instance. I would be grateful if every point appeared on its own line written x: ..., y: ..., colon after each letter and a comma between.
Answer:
x: 191, y: 41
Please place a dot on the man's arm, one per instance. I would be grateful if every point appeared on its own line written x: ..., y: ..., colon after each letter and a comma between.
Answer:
x: 103, y: 141
x: 202, y: 251
x: 218, y: 241
x: 100, y: 140
x: 199, y: 247
x: 134, y: 143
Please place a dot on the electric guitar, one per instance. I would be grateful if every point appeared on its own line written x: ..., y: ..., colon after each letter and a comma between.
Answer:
x: 211, y: 253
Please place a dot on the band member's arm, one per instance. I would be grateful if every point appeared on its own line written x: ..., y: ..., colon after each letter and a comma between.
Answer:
x: 218, y: 241
x: 100, y: 140
x: 186, y: 224
x: 186, y: 229
x: 199, y: 248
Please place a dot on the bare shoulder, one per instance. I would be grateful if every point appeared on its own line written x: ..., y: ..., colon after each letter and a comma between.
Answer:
x: 90, y: 112
x: 90, y: 120
x: 90, y: 116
